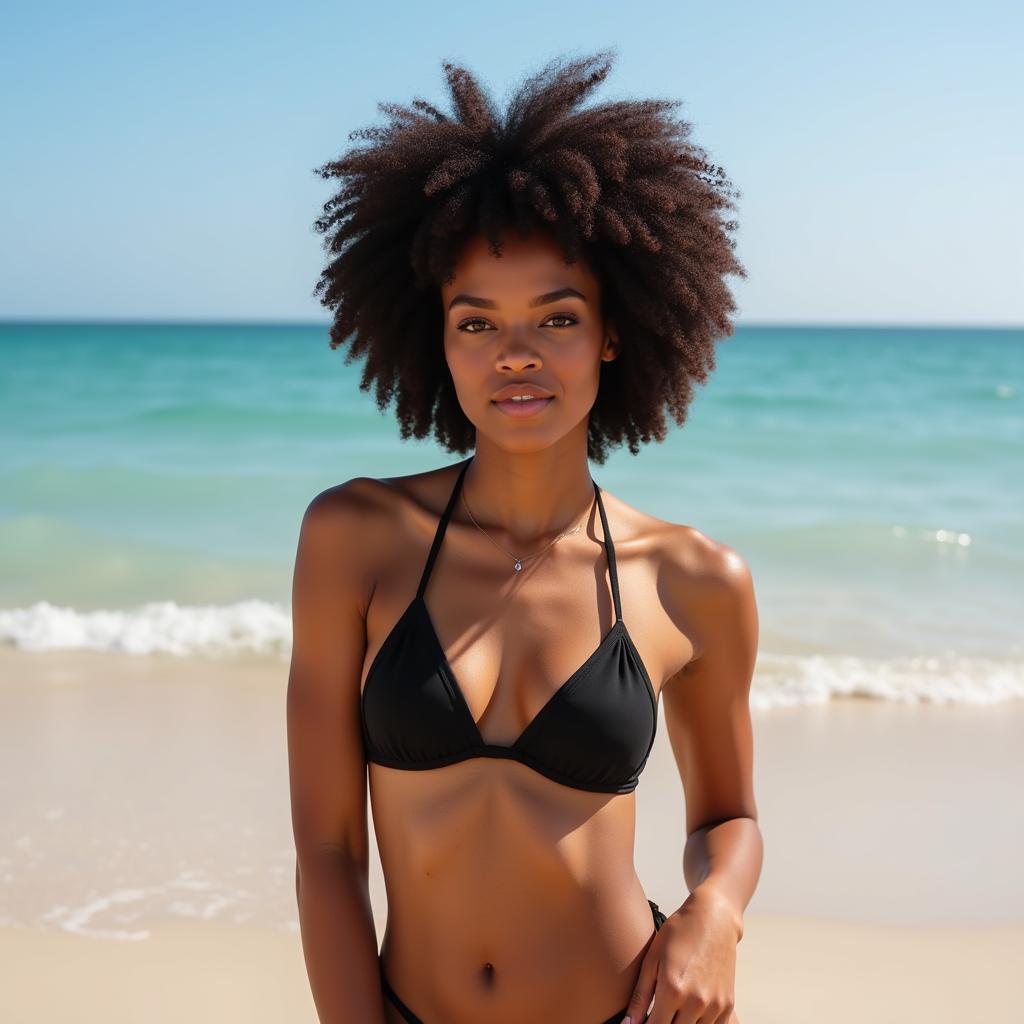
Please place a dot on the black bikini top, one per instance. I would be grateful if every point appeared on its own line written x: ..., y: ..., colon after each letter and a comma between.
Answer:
x: 594, y: 732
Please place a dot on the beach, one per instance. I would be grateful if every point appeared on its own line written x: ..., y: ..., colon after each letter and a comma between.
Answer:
x: 149, y: 875
x: 150, y: 500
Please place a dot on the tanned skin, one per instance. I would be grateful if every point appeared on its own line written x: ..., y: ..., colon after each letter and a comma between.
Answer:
x: 511, y: 897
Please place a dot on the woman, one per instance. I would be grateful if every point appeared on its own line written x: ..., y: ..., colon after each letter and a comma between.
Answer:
x: 490, y: 640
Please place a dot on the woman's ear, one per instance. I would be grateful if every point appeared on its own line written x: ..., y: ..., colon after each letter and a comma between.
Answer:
x: 611, y: 347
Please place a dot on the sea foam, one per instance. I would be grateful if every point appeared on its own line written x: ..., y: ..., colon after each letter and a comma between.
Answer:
x: 264, y: 628
x: 157, y: 627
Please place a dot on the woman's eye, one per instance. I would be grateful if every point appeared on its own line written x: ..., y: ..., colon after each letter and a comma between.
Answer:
x: 466, y: 324
x: 470, y: 325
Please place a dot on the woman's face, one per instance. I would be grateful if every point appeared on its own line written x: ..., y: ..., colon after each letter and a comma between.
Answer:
x: 524, y: 322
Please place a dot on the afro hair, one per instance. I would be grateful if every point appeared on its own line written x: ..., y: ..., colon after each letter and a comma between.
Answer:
x: 618, y: 183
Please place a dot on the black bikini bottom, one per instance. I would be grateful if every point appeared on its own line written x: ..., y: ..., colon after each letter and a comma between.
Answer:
x: 408, y: 1015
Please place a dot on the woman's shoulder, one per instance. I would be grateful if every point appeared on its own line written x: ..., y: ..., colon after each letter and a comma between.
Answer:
x: 684, y: 557
x: 704, y: 584
x: 355, y: 530
x: 370, y: 504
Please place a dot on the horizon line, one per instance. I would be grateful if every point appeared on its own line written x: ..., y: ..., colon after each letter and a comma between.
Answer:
x: 270, y: 322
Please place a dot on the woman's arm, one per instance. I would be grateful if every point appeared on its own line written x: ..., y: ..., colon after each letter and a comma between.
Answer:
x: 689, y: 970
x: 707, y: 716
x: 327, y: 768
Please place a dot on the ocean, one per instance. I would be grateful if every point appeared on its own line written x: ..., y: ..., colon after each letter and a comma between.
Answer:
x: 153, y: 478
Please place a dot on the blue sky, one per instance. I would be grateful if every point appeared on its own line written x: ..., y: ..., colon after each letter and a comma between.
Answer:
x: 157, y: 161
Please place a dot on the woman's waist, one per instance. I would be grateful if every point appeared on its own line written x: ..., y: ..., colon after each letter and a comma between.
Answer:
x: 509, y: 948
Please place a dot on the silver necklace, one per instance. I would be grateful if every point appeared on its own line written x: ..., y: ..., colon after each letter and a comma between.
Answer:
x: 518, y: 561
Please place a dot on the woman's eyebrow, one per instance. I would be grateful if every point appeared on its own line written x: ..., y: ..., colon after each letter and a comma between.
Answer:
x: 541, y: 300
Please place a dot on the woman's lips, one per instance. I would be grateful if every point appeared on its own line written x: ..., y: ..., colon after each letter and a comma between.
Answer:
x: 529, y: 407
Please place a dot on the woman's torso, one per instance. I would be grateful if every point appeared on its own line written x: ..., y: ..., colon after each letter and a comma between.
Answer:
x: 487, y: 861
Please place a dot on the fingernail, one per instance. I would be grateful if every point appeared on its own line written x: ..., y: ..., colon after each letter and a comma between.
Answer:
x: 626, y: 1020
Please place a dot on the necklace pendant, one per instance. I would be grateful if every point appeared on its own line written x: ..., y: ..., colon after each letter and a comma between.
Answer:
x: 519, y: 565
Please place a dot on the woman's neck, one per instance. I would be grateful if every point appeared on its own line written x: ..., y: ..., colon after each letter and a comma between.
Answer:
x: 527, y: 495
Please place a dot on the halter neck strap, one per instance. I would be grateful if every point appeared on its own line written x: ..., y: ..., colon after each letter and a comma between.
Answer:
x: 446, y: 515
x: 442, y: 525
x: 610, y: 551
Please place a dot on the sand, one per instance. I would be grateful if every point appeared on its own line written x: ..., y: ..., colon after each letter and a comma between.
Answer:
x: 790, y: 971
x: 147, y: 798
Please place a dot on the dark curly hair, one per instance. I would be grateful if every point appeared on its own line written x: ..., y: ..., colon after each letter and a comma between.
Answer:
x: 617, y: 183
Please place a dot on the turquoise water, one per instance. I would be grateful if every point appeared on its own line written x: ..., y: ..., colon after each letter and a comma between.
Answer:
x: 153, y: 477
